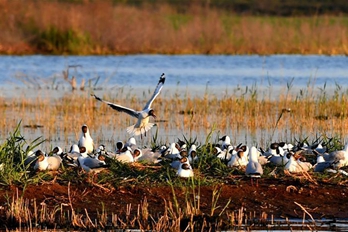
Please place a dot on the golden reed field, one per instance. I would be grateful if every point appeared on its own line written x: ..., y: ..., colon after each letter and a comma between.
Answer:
x: 295, y: 115
x: 99, y: 27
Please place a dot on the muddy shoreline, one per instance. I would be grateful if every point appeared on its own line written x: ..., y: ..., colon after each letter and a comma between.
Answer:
x: 284, y: 198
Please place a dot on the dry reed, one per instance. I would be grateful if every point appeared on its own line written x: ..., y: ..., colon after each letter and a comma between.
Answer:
x: 22, y: 213
x: 244, y: 118
x: 100, y: 27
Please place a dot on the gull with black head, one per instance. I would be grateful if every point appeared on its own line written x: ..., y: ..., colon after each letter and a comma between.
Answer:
x: 86, y: 139
x: 143, y: 116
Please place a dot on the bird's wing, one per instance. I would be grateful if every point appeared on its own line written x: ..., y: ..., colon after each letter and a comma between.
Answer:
x: 92, y: 163
x: 337, y: 155
x: 119, y: 108
x: 157, y: 91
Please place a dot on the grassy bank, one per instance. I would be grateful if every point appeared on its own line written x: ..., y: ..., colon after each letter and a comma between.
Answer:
x: 51, y: 27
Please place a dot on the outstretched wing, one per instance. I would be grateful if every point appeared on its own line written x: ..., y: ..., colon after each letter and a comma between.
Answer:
x: 157, y: 91
x: 119, y: 108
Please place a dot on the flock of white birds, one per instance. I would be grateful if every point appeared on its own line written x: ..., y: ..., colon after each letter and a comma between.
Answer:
x: 249, y: 159
x: 83, y: 155
x: 252, y: 160
x: 291, y: 157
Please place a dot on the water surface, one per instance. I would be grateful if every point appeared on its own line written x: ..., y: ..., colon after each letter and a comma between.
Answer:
x: 192, y: 72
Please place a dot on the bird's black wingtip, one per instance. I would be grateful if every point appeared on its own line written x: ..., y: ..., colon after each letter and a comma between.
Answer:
x: 162, y: 78
x: 98, y: 98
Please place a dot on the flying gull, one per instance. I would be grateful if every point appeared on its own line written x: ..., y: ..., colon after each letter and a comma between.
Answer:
x: 143, y: 124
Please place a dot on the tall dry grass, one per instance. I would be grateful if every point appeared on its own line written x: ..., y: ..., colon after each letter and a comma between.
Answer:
x: 21, y: 213
x: 99, y: 27
x: 247, y: 118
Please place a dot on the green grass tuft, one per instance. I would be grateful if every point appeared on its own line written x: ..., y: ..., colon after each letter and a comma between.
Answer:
x: 13, y: 153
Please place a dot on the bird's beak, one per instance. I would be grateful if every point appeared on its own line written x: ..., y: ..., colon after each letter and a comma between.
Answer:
x: 154, y: 115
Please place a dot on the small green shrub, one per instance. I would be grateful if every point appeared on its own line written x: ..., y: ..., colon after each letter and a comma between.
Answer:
x: 55, y: 41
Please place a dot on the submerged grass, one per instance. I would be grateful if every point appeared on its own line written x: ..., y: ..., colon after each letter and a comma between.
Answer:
x: 248, y: 117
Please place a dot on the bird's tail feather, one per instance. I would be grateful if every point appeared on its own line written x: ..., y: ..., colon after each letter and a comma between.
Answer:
x: 139, y: 130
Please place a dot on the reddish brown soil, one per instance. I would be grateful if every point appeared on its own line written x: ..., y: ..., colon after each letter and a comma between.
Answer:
x: 272, y: 196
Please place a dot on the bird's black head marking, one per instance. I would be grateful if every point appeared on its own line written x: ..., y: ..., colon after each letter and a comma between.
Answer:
x: 152, y: 113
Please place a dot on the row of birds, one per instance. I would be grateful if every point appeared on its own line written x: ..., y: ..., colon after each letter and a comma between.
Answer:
x: 83, y: 155
x: 292, y: 158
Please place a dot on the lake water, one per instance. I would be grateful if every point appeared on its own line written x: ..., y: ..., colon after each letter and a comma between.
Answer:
x: 193, y: 72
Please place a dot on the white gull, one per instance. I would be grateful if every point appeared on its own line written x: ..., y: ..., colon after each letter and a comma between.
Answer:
x: 86, y: 139
x: 143, y: 124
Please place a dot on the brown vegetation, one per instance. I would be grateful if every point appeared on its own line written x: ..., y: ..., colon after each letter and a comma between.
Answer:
x: 235, y: 204
x: 99, y: 27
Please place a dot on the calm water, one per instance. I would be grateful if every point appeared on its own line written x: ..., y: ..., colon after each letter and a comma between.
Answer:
x: 194, y: 72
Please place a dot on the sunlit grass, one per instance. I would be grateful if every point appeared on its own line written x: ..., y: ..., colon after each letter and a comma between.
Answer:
x: 28, y: 214
x: 13, y: 153
x: 97, y: 27
x: 245, y: 116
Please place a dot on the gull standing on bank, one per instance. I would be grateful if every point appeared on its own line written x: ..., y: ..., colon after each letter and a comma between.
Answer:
x: 254, y: 168
x: 86, y: 139
x: 143, y: 116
